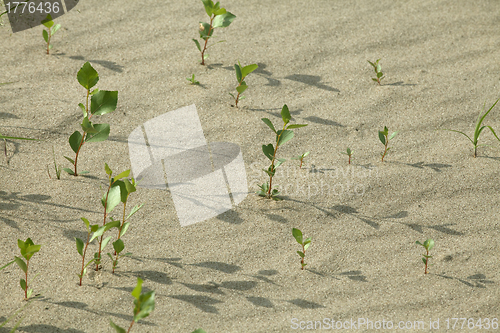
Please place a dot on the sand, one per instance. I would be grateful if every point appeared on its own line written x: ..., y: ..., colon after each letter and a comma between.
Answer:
x: 239, y: 271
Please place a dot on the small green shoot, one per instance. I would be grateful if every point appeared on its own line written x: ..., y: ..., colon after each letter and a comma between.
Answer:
x: 192, y: 80
x: 428, y: 245
x: 28, y: 248
x: 219, y: 18
x: 118, y: 246
x: 199, y: 330
x: 382, y: 135
x: 349, y: 153
x: 144, y: 305
x: 101, y: 102
x: 57, y: 169
x: 300, y: 158
x: 83, y: 250
x: 241, y: 74
x: 478, y: 129
x: 52, y: 29
x: 297, y: 234
x: 282, y: 136
x: 378, y: 71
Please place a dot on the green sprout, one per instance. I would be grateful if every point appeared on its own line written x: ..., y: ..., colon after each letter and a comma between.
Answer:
x: 428, y: 245
x: 52, y: 29
x: 192, y: 80
x: 28, y: 249
x: 83, y: 250
x: 241, y: 74
x: 378, y: 71
x: 118, y: 246
x: 57, y: 169
x: 101, y: 102
x: 3, y: 137
x: 219, y: 18
x: 300, y: 158
x: 349, y: 153
x: 478, y: 129
x: 297, y: 234
x: 282, y: 136
x: 382, y: 135
x: 144, y: 305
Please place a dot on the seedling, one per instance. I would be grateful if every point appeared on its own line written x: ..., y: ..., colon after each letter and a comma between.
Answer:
x: 478, y: 129
x: 219, y: 18
x: 241, y: 73
x: 144, y: 305
x: 300, y: 158
x: 118, y: 246
x: 109, y: 200
x: 282, y: 136
x: 28, y: 248
x: 57, y: 169
x: 349, y: 153
x: 101, y: 102
x: 192, y: 80
x: 428, y: 245
x: 126, y: 187
x: 378, y: 71
x: 382, y: 135
x: 297, y: 234
x: 83, y: 250
x: 52, y: 29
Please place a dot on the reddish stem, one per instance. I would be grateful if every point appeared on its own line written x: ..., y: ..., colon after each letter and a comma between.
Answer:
x: 83, y: 258
x: 26, y: 289
x: 426, y: 260
x: 206, y: 41
x: 104, y: 223
x: 132, y: 323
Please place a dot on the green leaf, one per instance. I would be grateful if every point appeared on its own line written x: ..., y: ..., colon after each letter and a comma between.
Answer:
x: 138, y: 288
x: 375, y: 80
x: 20, y: 262
x: 32, y: 249
x: 279, y: 162
x: 199, y: 330
x: 220, y: 11
x: 47, y: 21
x: 54, y: 29
x: 45, y: 36
x: 69, y: 159
x: 285, y: 114
x: 460, y: 133
x: 425, y: 261
x: 68, y: 170
x: 103, y: 102
x: 248, y: 69
x: 125, y: 227
x: 105, y: 242
x: 113, y: 198
x: 301, y: 254
x: 306, y: 246
x: 87, y: 126
x: 224, y: 20
x: 241, y: 88
x: 284, y: 136
x: 269, y: 124
x: 208, y: 6
x: 87, y: 223
x: 205, y: 32
x: 381, y: 137
x: 268, y: 151
x: 296, y: 126
x: 87, y: 76
x: 297, y: 234
x: 145, y: 305
x: 379, y: 75
x: 117, y: 328
x: 112, y: 224
x: 22, y: 283
x: 118, y: 245
x: 371, y: 63
x: 101, y: 135
x: 107, y: 169
x: 97, y: 233
x: 197, y: 44
x: 379, y: 68
x: 79, y: 246
x: 393, y: 135
x: 237, y: 68
x: 121, y: 175
x: 74, y: 141
x: 28, y: 294
x: 429, y: 244
x: 134, y: 210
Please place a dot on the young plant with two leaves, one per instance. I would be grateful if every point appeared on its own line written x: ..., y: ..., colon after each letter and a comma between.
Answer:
x: 241, y: 74
x: 101, y: 103
x: 219, y: 18
x: 479, y: 128
x: 28, y: 249
x: 282, y: 136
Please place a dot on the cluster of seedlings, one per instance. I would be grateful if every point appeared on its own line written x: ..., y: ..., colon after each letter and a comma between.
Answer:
x: 101, y: 102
